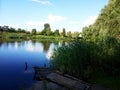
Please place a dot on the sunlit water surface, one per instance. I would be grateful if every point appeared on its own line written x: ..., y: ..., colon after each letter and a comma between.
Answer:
x: 13, y: 59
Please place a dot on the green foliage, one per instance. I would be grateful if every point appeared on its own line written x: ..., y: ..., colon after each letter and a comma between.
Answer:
x: 107, y: 23
x: 6, y: 35
x: 47, y: 30
x: 21, y: 31
x: 69, y: 34
x: 33, y: 32
x: 56, y: 32
x: 75, y: 35
x: 38, y: 33
x: 63, y: 32
x: 86, y: 59
x: 74, y: 58
x: 98, y: 52
x: 46, y: 25
x: 105, y: 32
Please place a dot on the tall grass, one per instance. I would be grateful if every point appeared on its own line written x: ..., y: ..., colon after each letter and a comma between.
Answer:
x: 86, y: 60
x: 73, y: 58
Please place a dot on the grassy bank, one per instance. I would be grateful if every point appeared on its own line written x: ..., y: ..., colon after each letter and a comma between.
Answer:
x: 7, y: 35
x: 90, y: 62
x: 49, y: 37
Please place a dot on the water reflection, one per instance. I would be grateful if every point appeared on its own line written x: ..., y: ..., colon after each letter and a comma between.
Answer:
x: 26, y: 66
x: 16, y: 45
x: 46, y: 45
x: 17, y: 59
x: 34, y: 47
x: 7, y: 44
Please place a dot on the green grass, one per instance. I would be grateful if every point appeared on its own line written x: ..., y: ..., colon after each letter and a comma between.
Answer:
x: 48, y: 37
x: 81, y: 59
x: 6, y: 35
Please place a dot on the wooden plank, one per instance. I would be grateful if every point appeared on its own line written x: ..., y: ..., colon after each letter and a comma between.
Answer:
x: 67, y: 82
x: 41, y: 73
x: 40, y: 68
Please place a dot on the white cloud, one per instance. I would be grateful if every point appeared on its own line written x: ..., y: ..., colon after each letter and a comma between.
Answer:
x: 49, y: 54
x: 31, y: 48
x: 45, y: 2
x: 89, y: 21
x: 34, y: 23
x: 53, y: 18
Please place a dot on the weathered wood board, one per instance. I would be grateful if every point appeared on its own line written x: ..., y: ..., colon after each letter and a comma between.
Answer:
x: 67, y: 82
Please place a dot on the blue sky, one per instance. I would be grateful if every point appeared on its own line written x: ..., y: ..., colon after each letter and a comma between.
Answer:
x: 69, y: 14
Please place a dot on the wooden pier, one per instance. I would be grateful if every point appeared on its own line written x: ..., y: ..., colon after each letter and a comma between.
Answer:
x: 67, y: 81
x: 41, y: 73
x: 64, y: 80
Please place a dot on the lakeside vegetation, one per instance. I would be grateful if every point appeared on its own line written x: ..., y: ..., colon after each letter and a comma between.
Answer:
x: 95, y: 58
x: 7, y: 32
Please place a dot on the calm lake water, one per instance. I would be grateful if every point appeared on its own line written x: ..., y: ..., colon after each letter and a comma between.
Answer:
x: 13, y: 58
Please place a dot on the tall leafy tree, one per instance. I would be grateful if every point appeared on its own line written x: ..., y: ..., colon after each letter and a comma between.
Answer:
x: 56, y: 32
x: 107, y: 23
x: 47, y: 30
x: 63, y: 32
x: 11, y: 30
x: 33, y: 31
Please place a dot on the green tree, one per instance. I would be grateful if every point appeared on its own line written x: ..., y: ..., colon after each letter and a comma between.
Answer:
x: 56, y: 32
x: 69, y: 34
x: 107, y: 23
x: 63, y: 32
x: 33, y: 32
x: 75, y: 35
x: 1, y: 29
x: 19, y: 30
x: 47, y: 30
x: 46, y: 25
x: 11, y: 30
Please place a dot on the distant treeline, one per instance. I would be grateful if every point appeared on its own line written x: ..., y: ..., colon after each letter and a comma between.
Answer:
x: 12, y: 30
x: 46, y: 32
